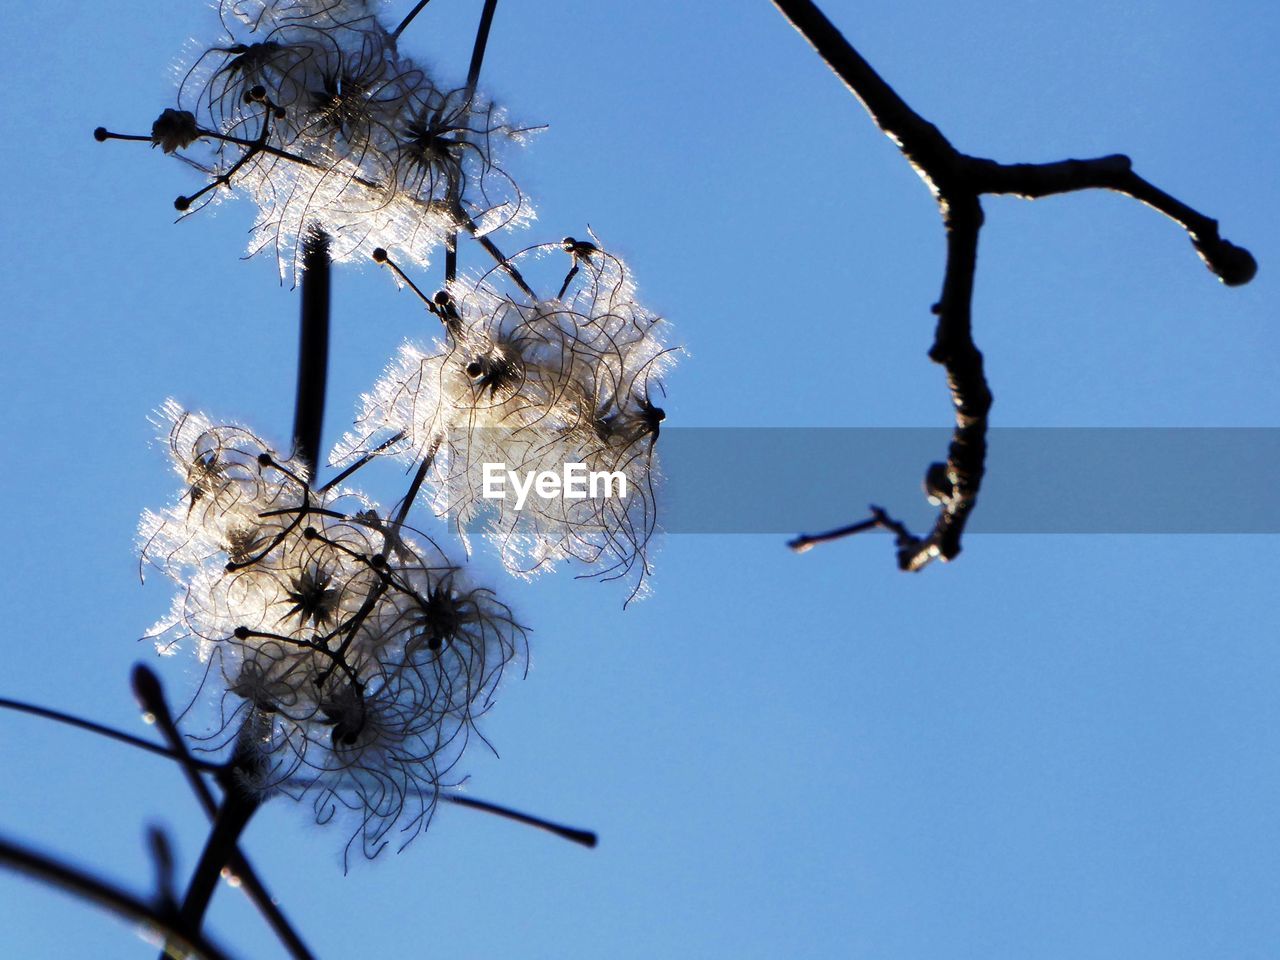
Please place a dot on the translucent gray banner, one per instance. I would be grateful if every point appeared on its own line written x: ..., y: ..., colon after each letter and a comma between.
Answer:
x: 1039, y: 480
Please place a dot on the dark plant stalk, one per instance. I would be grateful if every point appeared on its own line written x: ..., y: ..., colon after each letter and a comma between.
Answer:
x: 233, y: 816
x: 313, y: 350
x: 105, y: 731
x: 586, y: 838
x: 150, y: 693
x: 409, y: 18
x: 473, y: 77
x: 482, y: 41
x: 57, y: 874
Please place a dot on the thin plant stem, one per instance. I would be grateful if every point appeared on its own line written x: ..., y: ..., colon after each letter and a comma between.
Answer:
x: 149, y: 690
x: 473, y: 77
x: 105, y: 731
x: 586, y: 838
x: 409, y: 19
x: 958, y: 181
x: 57, y: 874
x: 482, y: 41
x: 313, y: 350
x: 234, y: 815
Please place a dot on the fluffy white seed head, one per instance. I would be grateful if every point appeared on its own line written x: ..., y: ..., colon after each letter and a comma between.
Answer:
x: 534, y: 385
x: 351, y: 658
x: 308, y: 108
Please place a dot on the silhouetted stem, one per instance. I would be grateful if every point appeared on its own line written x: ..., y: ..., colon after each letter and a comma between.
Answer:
x: 98, y: 728
x: 237, y: 810
x: 499, y: 258
x: 313, y: 350
x: 150, y: 692
x: 957, y: 182
x: 409, y: 18
x: 586, y: 838
x: 58, y: 874
x: 807, y: 541
x: 482, y: 41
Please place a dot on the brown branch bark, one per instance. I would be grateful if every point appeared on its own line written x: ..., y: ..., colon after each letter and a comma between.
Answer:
x: 958, y: 182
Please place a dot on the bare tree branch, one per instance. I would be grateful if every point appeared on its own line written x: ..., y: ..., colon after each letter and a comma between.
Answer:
x: 957, y: 182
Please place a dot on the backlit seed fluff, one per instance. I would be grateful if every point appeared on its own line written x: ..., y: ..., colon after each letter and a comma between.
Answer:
x: 352, y: 659
x: 534, y: 385
x: 308, y: 108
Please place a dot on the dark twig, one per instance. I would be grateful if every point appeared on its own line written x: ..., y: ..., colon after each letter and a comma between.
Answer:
x: 504, y: 264
x: 237, y: 810
x: 101, y: 730
x: 313, y: 350
x: 409, y: 18
x: 150, y: 693
x: 807, y: 541
x: 368, y: 457
x: 473, y: 77
x: 55, y: 873
x: 586, y: 838
x: 957, y: 182
x: 482, y: 41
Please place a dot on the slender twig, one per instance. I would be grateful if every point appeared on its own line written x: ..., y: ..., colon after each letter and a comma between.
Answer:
x: 55, y: 873
x: 586, y: 838
x: 503, y: 262
x: 482, y: 41
x: 150, y: 692
x: 957, y: 182
x: 415, y: 485
x: 313, y: 350
x: 371, y: 455
x: 451, y: 257
x: 1233, y: 265
x: 807, y: 541
x: 101, y: 730
x: 473, y: 77
x: 237, y: 810
x: 409, y: 19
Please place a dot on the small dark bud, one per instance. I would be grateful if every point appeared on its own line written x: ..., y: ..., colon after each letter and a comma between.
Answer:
x: 310, y: 533
x: 474, y: 369
x: 442, y: 298
x: 258, y: 92
x: 242, y: 633
x: 379, y: 255
x: 174, y: 129
x: 182, y: 203
x: 377, y: 561
x: 280, y: 113
x: 264, y: 460
x: 100, y: 134
x: 1235, y: 266
x: 146, y: 687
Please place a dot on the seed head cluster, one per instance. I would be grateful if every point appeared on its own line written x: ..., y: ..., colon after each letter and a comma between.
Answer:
x: 352, y: 659
x: 308, y: 108
x: 534, y: 384
x: 355, y: 660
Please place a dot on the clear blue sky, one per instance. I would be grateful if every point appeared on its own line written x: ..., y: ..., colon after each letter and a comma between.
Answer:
x: 1057, y: 747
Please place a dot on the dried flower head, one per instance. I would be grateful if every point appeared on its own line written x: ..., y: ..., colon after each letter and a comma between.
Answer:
x: 354, y: 659
x: 308, y: 108
x: 534, y: 385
